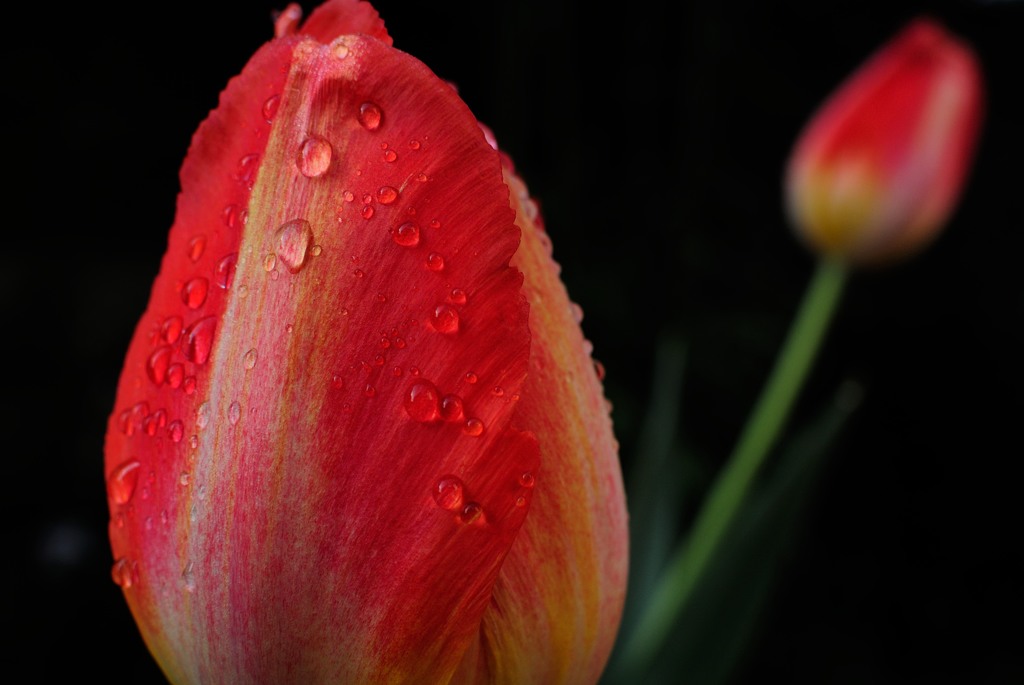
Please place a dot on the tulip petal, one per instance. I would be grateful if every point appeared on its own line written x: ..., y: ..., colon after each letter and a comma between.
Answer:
x: 558, y: 600
x: 342, y: 17
x: 334, y: 482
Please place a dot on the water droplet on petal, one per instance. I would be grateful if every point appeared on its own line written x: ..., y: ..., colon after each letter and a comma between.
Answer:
x: 122, y: 481
x: 224, y: 272
x: 246, y: 170
x: 407, y: 234
x: 175, y: 375
x: 448, y: 493
x: 386, y: 195
x: 471, y: 377
x: 314, y: 157
x: 445, y: 319
x: 526, y: 479
x: 293, y: 241
x: 124, y: 572
x: 171, y: 329
x: 203, y: 415
x: 270, y: 106
x: 234, y: 412
x: 367, y: 212
x: 184, y: 479
x: 176, y: 430
x: 270, y: 262
x: 231, y: 216
x: 497, y: 391
x: 189, y: 385
x: 131, y: 418
x: 434, y: 223
x: 473, y: 426
x: 193, y: 293
x: 196, y: 246
x: 457, y: 295
x: 451, y: 408
x: 414, y: 144
x: 370, y: 116
x: 472, y: 513
x: 198, y: 341
x: 339, y: 48
x: 435, y: 262
x: 421, y: 401
x: 155, y: 421
x: 249, y: 360
x: 158, y: 363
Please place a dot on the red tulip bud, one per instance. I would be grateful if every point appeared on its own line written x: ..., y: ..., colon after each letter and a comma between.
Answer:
x: 878, y: 170
x: 359, y: 437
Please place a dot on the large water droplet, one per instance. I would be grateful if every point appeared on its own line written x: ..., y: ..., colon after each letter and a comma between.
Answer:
x: 314, y: 157
x: 193, y: 293
x: 386, y: 195
x: 249, y: 360
x: 131, y: 418
x: 407, y: 234
x: 171, y: 329
x: 224, y: 272
x: 435, y: 262
x: 472, y: 513
x: 448, y: 493
x: 421, y: 401
x: 155, y: 421
x: 246, y: 171
x: 473, y: 426
x: 198, y: 340
x: 122, y: 481
x: 293, y: 241
x: 445, y: 319
x: 526, y: 479
x: 158, y: 363
x: 175, y: 375
x: 370, y: 116
x: 270, y: 106
x: 451, y: 408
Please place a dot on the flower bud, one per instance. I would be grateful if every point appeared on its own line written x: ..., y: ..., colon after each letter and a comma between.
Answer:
x: 358, y: 436
x: 878, y: 170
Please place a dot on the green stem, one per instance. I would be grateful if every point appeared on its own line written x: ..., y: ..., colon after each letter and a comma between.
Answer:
x: 723, y: 501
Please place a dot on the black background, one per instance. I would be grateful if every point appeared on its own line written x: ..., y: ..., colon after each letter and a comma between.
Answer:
x: 653, y: 136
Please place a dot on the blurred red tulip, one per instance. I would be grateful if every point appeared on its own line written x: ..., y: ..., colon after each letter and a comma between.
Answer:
x: 359, y: 437
x: 878, y: 170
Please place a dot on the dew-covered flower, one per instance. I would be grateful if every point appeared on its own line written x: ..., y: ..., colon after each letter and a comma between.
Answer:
x: 359, y: 437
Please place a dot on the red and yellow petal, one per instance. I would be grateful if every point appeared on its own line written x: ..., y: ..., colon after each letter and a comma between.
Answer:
x: 327, y: 480
x: 558, y: 599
